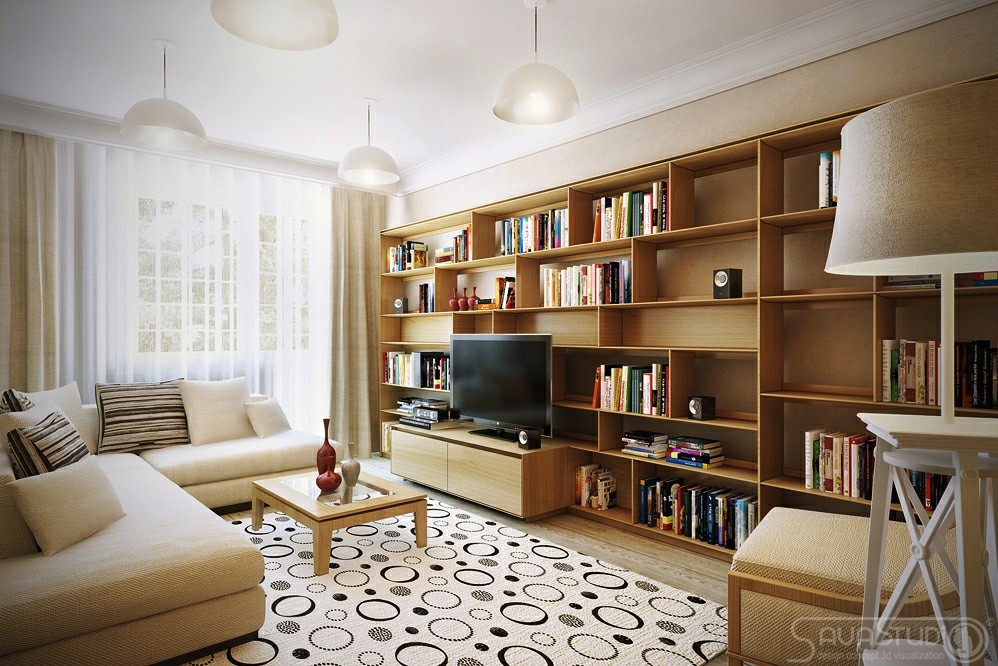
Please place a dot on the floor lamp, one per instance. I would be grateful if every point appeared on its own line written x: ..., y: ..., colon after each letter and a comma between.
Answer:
x: 918, y: 195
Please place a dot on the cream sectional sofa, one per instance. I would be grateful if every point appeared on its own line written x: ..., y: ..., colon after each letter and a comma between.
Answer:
x: 170, y: 578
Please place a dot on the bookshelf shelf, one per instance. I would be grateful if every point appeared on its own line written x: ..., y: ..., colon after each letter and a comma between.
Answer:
x: 799, y: 350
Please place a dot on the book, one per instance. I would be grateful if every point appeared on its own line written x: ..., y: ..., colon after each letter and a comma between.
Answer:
x: 582, y: 488
x: 695, y: 443
x: 885, y: 366
x: 824, y: 180
x: 646, y: 435
x: 644, y: 454
x: 644, y: 500
x: 812, y: 454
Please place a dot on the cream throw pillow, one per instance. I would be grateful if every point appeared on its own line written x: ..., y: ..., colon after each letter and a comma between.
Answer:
x: 67, y: 398
x: 215, y: 411
x: 267, y: 417
x: 66, y: 506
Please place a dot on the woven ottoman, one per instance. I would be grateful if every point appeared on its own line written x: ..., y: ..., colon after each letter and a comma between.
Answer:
x: 795, y: 589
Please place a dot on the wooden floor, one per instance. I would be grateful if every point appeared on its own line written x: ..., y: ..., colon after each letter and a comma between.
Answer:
x: 694, y: 573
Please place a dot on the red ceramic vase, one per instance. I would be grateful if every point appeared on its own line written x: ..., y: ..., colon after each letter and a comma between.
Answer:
x: 462, y: 302
x: 453, y: 301
x: 473, y: 299
x: 325, y: 458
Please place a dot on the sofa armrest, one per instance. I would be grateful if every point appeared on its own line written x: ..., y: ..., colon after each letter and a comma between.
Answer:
x: 257, y: 397
x: 90, y: 428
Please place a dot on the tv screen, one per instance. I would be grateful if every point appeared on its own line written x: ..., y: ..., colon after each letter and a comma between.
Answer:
x: 502, y: 380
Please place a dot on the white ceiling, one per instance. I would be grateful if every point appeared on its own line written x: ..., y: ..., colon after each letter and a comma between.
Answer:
x: 433, y: 66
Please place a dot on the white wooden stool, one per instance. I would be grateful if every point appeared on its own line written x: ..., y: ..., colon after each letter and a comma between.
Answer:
x: 968, y: 639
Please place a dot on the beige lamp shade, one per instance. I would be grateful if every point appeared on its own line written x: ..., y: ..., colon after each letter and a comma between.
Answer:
x: 289, y: 25
x: 918, y: 192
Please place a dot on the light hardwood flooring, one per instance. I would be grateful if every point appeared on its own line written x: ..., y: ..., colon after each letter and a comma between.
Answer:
x: 698, y: 574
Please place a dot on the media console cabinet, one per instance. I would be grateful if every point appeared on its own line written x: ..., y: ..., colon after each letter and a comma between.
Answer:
x: 529, y: 484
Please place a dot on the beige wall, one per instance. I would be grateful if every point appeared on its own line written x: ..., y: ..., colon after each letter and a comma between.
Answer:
x: 954, y: 49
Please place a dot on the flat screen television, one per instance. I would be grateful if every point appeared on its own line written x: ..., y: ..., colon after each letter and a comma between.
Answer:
x: 503, y: 381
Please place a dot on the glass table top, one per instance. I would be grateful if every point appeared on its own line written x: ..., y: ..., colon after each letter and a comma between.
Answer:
x: 305, y: 484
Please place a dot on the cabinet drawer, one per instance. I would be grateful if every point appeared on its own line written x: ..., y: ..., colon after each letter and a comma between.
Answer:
x: 485, y: 477
x: 419, y: 459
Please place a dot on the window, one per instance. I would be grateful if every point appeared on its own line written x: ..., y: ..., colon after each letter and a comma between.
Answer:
x: 283, y: 283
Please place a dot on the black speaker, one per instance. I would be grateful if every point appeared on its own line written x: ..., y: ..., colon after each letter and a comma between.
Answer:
x: 702, y: 407
x: 529, y: 438
x: 728, y: 283
x: 401, y: 305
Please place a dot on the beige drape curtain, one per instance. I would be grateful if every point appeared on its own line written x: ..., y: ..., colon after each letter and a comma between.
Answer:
x: 29, y: 357
x: 354, y: 269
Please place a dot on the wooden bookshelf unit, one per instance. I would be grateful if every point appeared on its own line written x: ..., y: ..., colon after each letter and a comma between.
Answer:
x: 799, y: 350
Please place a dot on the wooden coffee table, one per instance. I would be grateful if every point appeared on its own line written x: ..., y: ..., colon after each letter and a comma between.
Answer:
x: 298, y: 497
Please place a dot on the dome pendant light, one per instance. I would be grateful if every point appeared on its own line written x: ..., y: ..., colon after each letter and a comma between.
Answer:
x: 536, y: 94
x: 161, y: 123
x: 368, y: 165
x: 289, y: 25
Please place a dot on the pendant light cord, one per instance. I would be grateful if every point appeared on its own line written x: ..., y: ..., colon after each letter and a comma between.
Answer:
x: 369, y: 123
x: 535, y: 33
x: 164, y: 72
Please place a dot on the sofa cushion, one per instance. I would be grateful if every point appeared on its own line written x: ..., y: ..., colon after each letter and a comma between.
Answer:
x: 238, y: 458
x: 67, y: 398
x: 139, y: 416
x: 67, y: 505
x: 25, y: 461
x: 14, y: 401
x: 15, y: 537
x: 215, y: 410
x: 267, y: 417
x: 53, y: 442
x: 169, y: 551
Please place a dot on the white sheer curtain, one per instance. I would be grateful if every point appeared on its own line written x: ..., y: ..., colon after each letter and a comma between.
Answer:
x: 173, y: 268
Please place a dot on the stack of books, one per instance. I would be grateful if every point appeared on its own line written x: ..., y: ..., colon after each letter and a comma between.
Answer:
x: 714, y: 515
x: 590, y: 284
x: 407, y: 256
x: 646, y: 444
x: 910, y: 373
x: 631, y: 213
x: 655, y: 502
x: 426, y: 303
x: 416, y: 369
x: 444, y: 255
x: 987, y: 279
x: 529, y: 233
x: 695, y: 452
x: 595, y: 487
x: 635, y: 389
x: 912, y: 282
x: 427, y: 413
x: 839, y: 463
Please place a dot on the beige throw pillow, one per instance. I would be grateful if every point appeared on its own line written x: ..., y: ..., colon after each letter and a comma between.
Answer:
x: 66, y: 506
x: 215, y: 411
x: 267, y: 417
x: 67, y: 398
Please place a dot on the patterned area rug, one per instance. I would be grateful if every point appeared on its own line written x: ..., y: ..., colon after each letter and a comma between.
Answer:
x: 481, y: 593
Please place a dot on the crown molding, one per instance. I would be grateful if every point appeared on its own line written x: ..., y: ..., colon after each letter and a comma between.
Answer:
x: 834, y: 29
x: 61, y: 123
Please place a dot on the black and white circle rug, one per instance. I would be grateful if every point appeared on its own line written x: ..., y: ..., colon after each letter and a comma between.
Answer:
x: 481, y: 593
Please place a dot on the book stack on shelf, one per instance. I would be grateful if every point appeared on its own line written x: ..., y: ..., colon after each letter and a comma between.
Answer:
x: 505, y: 298
x: 425, y: 298
x: 427, y: 413
x: 595, y: 487
x: 901, y: 282
x: 655, y: 502
x: 828, y: 179
x: 529, y: 233
x: 695, y: 452
x: 634, y: 389
x: 444, y: 255
x: 839, y: 463
x: 407, y: 256
x: 646, y: 444
x: 418, y: 369
x: 909, y: 373
x: 590, y: 284
x: 631, y: 213
x: 716, y: 515
x: 462, y: 245
x: 988, y: 279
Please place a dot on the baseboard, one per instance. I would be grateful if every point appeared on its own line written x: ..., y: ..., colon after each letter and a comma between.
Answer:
x: 211, y: 649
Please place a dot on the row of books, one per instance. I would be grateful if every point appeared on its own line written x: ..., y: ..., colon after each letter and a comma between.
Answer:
x: 828, y: 178
x: 407, y: 256
x: 910, y: 373
x: 715, y: 515
x: 636, y: 389
x: 912, y: 282
x: 683, y: 450
x: 986, y: 279
x: 595, y: 487
x: 424, y: 299
x: 505, y: 290
x: 417, y: 369
x: 529, y: 233
x: 631, y: 213
x: 839, y: 463
x: 589, y: 284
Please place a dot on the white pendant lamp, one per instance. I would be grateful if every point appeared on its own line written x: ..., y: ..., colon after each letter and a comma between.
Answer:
x: 368, y: 165
x: 536, y: 94
x: 161, y: 123
x: 289, y: 25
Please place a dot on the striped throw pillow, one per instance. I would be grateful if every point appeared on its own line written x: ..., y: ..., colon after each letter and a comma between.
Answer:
x: 135, y: 417
x: 53, y: 443
x: 14, y: 401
